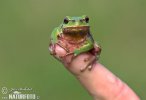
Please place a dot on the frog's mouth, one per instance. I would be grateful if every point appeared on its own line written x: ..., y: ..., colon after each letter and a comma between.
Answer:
x: 76, y: 33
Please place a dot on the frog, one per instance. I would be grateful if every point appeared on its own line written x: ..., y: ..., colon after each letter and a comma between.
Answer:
x: 76, y: 31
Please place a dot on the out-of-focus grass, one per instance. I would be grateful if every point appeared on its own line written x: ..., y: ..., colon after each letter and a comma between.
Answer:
x: 25, y: 28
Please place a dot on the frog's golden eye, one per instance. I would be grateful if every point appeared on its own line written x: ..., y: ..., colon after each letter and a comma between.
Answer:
x: 87, y: 19
x: 66, y: 20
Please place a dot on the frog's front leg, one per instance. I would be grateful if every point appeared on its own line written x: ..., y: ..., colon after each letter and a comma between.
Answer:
x: 86, y: 47
x: 66, y: 49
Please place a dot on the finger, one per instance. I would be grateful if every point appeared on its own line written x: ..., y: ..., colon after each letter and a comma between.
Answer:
x: 103, y: 85
x: 99, y: 81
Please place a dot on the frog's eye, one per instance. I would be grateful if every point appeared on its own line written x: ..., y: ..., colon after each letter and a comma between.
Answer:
x: 66, y: 20
x: 87, y: 19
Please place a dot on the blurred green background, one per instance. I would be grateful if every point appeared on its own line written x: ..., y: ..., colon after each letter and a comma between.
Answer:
x: 25, y: 28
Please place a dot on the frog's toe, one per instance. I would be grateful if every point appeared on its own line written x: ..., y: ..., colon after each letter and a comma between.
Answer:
x: 82, y: 69
x: 90, y: 67
x: 52, y: 49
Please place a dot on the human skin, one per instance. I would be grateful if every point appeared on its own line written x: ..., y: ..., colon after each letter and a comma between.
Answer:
x: 99, y: 81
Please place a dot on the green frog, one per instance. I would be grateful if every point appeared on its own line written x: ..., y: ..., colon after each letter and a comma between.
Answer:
x: 76, y: 31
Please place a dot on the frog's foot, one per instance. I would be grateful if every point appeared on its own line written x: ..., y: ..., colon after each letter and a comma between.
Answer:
x: 73, y: 55
x: 67, y: 50
x: 67, y: 54
x: 63, y: 47
x: 52, y: 49
x: 96, y: 50
x: 97, y: 57
x: 69, y: 60
x: 89, y: 65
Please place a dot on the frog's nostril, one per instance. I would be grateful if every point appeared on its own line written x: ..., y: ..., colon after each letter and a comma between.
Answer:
x: 81, y: 20
x: 73, y: 20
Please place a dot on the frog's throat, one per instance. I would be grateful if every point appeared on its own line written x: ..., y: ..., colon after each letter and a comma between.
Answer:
x: 77, y: 32
x: 75, y: 35
x: 73, y: 40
